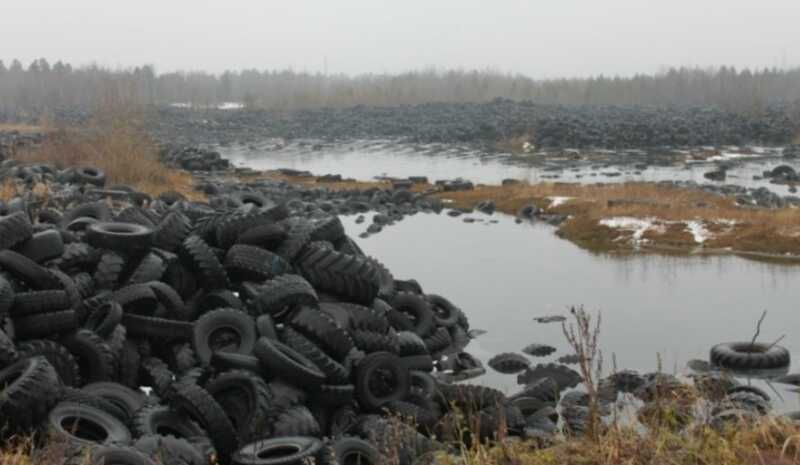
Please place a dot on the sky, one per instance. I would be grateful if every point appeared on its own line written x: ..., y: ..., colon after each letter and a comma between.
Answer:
x: 538, y: 38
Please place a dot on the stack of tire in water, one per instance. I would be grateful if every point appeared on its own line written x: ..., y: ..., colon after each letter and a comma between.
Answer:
x: 263, y: 337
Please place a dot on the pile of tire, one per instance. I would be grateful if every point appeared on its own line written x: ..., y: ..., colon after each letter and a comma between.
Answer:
x: 185, y: 334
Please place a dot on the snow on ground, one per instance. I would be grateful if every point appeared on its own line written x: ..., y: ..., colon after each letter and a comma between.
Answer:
x: 637, y: 226
x: 698, y: 231
x: 557, y: 200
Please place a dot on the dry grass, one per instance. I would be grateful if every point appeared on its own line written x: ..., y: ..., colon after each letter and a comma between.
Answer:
x: 755, y: 230
x: 313, y: 181
x: 124, y: 153
x: 21, y: 128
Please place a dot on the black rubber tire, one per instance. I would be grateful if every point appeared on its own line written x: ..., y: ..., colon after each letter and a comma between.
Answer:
x: 136, y: 215
x: 348, y: 246
x: 45, y: 324
x: 250, y: 263
x: 94, y: 356
x: 8, y: 351
x: 299, y: 236
x: 104, y: 319
x: 509, y: 363
x: 6, y: 297
x: 201, y: 407
x: 15, y: 229
x: 57, y: 355
x: 224, y: 361
x: 369, y: 341
x: 128, y: 365
x: 445, y: 313
x: 89, y: 175
x: 240, y: 325
x: 155, y: 329
x: 136, y: 298
x: 173, y: 229
x: 279, y: 451
x: 27, y: 271
x: 150, y: 268
x: 78, y: 255
x: 342, y: 274
x: 82, y: 425
x: 127, y: 399
x: 34, y: 302
x: 284, y: 362
x: 265, y: 326
x: 229, y: 227
x: 198, y: 256
x: 216, y: 299
x: 126, y: 238
x: 43, y: 246
x: 267, y: 236
x: 335, y: 372
x: 335, y: 395
x: 418, y: 309
x: 284, y: 294
x: 160, y: 420
x: 743, y: 356
x: 116, y: 455
x: 410, y: 344
x: 109, y: 271
x: 30, y: 389
x: 380, y: 378
x: 71, y: 287
x: 386, y: 288
x: 438, y: 341
x: 350, y: 450
x: 330, y: 229
x: 296, y: 421
x: 168, y: 297
x: 245, y: 398
x: 81, y: 397
x: 323, y: 330
x: 98, y: 211
x: 368, y: 319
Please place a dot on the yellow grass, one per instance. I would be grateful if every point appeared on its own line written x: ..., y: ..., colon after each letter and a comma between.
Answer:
x: 124, y: 153
x: 21, y: 128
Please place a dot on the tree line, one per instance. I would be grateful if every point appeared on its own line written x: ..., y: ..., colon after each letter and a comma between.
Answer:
x: 40, y: 86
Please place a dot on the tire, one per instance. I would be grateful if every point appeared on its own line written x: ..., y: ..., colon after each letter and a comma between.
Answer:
x: 348, y: 246
x: 370, y: 342
x: 57, y: 355
x: 284, y: 362
x: 438, y: 341
x: 30, y: 389
x: 94, y: 356
x: 267, y: 236
x: 8, y: 352
x: 43, y: 246
x: 240, y: 338
x: 445, y: 313
x: 125, y: 398
x: 265, y: 326
x: 78, y: 255
x: 126, y: 238
x: 136, y: 298
x: 330, y: 229
x: 136, y: 215
x: 299, y: 236
x: 82, y: 425
x: 410, y: 344
x: 104, y: 319
x: 45, y: 324
x: 509, y: 363
x: 81, y: 397
x: 171, y: 231
x: 323, y: 330
x: 245, y: 398
x: 160, y: 330
x: 98, y: 211
x: 334, y: 371
x: 27, y: 271
x: 418, y: 309
x: 739, y: 356
x: 34, y: 302
x: 349, y: 450
x: 380, y: 378
x: 197, y: 256
x: 338, y: 273
x: 153, y: 420
x: 296, y: 421
x: 109, y: 270
x: 279, y: 451
x: 90, y: 175
x: 15, y: 229
x: 228, y: 228
x: 249, y: 263
x: 150, y: 268
x: 174, y: 306
x: 201, y: 407
x: 116, y: 455
x: 386, y: 287
x: 283, y: 294
x: 224, y: 361
x: 6, y: 297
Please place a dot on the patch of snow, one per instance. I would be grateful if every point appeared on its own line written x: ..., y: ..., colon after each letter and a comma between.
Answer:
x: 636, y: 225
x: 558, y: 200
x: 181, y: 105
x: 230, y: 106
x: 698, y: 231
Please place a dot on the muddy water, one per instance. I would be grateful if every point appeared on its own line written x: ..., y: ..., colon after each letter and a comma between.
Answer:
x: 364, y: 160
x: 503, y: 275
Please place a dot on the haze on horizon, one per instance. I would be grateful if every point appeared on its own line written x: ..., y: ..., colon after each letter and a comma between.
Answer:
x: 568, y: 38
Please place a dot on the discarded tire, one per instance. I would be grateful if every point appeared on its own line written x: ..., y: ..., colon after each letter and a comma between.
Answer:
x: 747, y: 356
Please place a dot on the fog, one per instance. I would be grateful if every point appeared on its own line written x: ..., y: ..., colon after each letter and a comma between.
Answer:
x: 542, y: 39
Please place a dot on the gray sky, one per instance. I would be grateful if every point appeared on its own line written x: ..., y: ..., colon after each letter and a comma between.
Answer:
x: 541, y: 38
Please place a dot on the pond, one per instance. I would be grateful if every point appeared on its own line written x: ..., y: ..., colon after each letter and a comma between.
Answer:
x: 655, y: 309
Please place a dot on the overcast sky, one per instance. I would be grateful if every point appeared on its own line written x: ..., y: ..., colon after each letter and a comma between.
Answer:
x: 540, y: 38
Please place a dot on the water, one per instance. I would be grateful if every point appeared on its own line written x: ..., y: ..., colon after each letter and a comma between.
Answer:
x: 505, y: 274
x: 655, y: 309
x: 364, y: 160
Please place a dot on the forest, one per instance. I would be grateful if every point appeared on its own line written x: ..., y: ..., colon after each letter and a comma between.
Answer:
x: 40, y: 85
